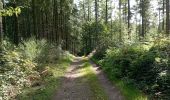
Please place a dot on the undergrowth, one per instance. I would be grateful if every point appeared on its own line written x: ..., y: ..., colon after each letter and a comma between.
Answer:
x: 143, y: 67
x: 29, y: 66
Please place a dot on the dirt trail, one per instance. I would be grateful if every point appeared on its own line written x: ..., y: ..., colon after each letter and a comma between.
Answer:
x: 74, y: 88
x: 112, y: 92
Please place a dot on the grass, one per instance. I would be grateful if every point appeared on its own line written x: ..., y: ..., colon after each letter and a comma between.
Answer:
x: 96, y: 88
x: 50, y: 83
x: 129, y: 91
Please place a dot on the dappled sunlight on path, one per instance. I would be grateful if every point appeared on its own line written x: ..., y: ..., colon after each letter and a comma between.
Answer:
x: 76, y: 84
x: 73, y: 85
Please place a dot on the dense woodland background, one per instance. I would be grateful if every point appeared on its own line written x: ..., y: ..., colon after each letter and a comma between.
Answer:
x: 131, y: 39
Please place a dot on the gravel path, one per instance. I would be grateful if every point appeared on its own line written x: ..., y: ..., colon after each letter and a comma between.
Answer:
x: 75, y: 88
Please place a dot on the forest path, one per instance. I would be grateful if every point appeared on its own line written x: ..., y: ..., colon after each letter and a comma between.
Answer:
x: 112, y: 92
x: 76, y: 87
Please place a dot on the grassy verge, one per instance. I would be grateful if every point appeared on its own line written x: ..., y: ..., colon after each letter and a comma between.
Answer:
x: 96, y: 88
x: 129, y: 91
x: 50, y: 83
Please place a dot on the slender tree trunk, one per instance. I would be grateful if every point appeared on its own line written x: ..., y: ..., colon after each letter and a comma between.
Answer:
x: 1, y: 28
x: 84, y: 10
x: 56, y: 21
x: 163, y: 23
x: 96, y: 11
x: 125, y: 12
x: 167, y: 18
x: 34, y: 19
x: 120, y: 21
x: 106, y: 18
x: 3, y: 20
x: 129, y: 18
x: 16, y: 28
x: 96, y: 20
x: 159, y: 17
x: 143, y: 20
x: 88, y: 10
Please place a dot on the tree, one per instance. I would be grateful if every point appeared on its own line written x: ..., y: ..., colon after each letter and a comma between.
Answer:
x: 129, y: 18
x: 167, y: 17
x: 144, y: 11
x: 96, y: 21
x: 1, y: 28
x: 120, y: 20
x: 106, y: 19
x: 163, y: 8
x: 16, y: 23
x: 34, y: 18
x: 96, y: 11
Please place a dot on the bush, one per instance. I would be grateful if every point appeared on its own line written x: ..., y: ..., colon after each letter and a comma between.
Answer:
x: 148, y: 69
x: 33, y: 48
x: 14, y: 68
x: 21, y: 67
x: 120, y: 59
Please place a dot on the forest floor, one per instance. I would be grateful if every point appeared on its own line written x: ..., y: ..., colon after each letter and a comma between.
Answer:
x: 85, y: 81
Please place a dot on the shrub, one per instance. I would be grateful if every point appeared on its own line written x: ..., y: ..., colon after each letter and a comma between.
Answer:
x: 21, y: 67
x: 14, y: 69
x: 148, y: 69
x: 33, y: 48
x: 120, y: 59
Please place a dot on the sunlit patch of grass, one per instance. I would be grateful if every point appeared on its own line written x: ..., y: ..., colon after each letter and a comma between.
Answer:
x: 50, y: 83
x: 96, y: 88
x: 129, y: 91
x: 85, y: 58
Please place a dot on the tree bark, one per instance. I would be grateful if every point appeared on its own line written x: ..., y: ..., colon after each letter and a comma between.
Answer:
x: 129, y: 17
x: 143, y: 19
x: 106, y: 20
x: 16, y: 26
x: 34, y: 19
x: 167, y: 17
x: 120, y: 21
x: 1, y: 28
x: 163, y: 23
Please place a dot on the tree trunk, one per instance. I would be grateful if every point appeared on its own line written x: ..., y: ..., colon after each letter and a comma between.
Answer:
x: 120, y: 21
x: 143, y: 20
x: 163, y: 23
x: 16, y: 27
x: 34, y: 19
x: 1, y: 28
x: 129, y: 17
x: 167, y: 17
x: 89, y: 10
x: 84, y: 10
x: 106, y: 20
x: 96, y: 20
x: 96, y: 11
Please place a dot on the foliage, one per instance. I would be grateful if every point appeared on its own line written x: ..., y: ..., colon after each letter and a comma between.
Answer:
x: 24, y: 66
x: 10, y: 11
x: 14, y: 71
x: 93, y: 35
x: 50, y: 82
x: 146, y: 69
x: 33, y: 48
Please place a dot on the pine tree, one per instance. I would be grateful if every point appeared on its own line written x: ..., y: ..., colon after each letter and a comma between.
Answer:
x: 167, y: 17
x: 1, y: 28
